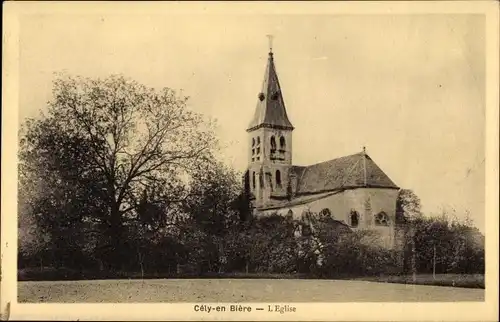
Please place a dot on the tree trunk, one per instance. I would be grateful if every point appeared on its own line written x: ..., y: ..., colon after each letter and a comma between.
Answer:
x: 413, y: 256
x: 141, y: 259
x: 116, y: 239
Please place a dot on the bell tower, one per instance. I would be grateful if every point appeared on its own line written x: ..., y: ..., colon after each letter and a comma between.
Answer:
x: 269, y: 142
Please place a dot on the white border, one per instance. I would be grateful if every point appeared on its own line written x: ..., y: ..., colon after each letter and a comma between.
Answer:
x: 464, y: 311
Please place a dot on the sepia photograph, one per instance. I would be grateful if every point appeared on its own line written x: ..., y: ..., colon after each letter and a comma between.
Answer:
x: 255, y: 162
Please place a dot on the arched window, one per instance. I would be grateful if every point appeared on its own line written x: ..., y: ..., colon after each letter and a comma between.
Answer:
x: 253, y: 180
x: 325, y: 213
x: 354, y: 218
x: 306, y: 223
x: 258, y: 140
x: 381, y: 219
x: 289, y: 214
x: 273, y: 144
x: 253, y: 141
x: 282, y: 143
x: 278, y: 178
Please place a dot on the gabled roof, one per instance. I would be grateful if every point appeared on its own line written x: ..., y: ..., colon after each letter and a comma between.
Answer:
x: 270, y: 110
x: 340, y: 173
x: 327, y: 178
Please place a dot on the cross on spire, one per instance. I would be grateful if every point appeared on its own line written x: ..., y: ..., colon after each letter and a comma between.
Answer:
x: 270, y: 38
x: 364, y: 164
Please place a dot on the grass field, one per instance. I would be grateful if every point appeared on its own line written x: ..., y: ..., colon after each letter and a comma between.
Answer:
x: 454, y: 280
x: 238, y: 290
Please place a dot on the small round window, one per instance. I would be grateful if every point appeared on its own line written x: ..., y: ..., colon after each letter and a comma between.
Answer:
x: 325, y: 213
x: 381, y: 219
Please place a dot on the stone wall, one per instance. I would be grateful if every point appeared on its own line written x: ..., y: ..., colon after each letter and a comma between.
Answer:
x: 263, y: 162
x: 367, y: 202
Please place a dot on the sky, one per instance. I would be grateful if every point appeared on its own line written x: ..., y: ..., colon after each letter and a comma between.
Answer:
x: 411, y: 88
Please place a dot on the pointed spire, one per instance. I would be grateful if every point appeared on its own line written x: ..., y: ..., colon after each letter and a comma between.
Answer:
x: 270, y: 111
x: 364, y: 165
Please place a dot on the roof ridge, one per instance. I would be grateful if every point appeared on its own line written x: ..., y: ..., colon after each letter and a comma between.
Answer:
x: 342, y: 173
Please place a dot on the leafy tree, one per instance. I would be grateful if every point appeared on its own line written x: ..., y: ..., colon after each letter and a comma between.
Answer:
x: 105, y: 144
x: 448, y: 246
x: 54, y: 195
x: 408, y: 206
x: 32, y: 242
x: 408, y: 210
x: 242, y: 203
x: 269, y: 245
x: 210, y: 205
x: 210, y: 201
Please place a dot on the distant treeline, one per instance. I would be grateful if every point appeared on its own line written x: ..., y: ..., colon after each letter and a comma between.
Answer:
x: 118, y: 178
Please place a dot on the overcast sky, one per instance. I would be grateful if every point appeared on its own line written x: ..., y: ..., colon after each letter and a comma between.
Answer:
x: 408, y: 87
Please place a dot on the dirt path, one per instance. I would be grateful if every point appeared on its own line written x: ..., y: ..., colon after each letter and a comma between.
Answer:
x: 238, y: 290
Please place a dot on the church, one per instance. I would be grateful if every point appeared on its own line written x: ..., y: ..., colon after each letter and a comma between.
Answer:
x: 352, y: 189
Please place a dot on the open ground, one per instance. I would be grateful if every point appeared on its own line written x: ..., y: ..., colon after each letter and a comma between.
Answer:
x: 238, y: 290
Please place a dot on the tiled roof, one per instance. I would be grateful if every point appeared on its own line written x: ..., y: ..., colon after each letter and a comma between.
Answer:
x: 344, y: 172
x: 270, y: 110
x: 297, y: 170
x: 324, y: 179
